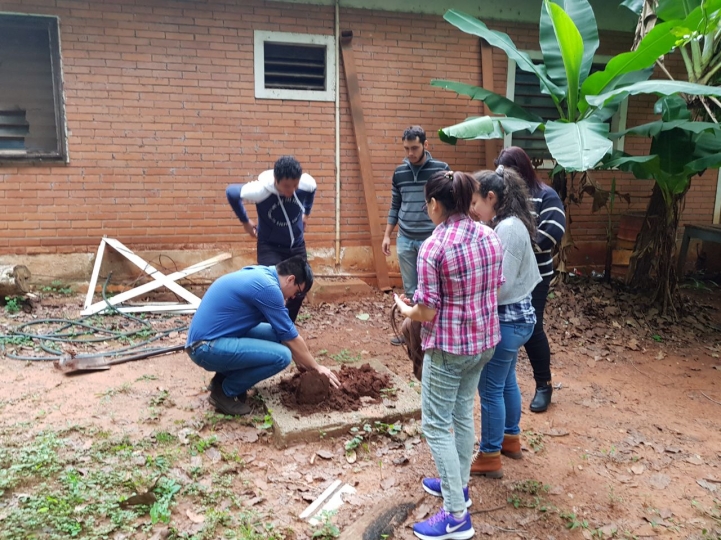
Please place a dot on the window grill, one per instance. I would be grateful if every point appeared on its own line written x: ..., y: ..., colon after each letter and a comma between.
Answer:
x: 294, y: 66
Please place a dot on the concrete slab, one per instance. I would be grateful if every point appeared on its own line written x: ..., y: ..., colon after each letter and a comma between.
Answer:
x: 289, y: 427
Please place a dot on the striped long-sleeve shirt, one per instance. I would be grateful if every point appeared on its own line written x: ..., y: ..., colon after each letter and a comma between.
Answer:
x: 408, y: 197
x: 551, y: 222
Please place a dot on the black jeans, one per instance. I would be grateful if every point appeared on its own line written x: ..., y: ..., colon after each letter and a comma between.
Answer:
x: 537, y: 348
x: 270, y: 255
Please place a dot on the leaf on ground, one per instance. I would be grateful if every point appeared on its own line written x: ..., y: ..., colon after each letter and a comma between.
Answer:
x: 665, y: 513
x: 707, y: 485
x: 195, y: 518
x: 659, y: 481
x: 638, y: 469
x: 403, y: 460
x: 143, y: 498
x: 363, y: 316
x: 213, y: 455
x: 247, y: 434
x: 422, y: 511
x: 253, y: 501
x: 556, y: 432
x: 632, y: 344
x: 388, y: 483
x: 261, y: 484
x: 325, y: 454
x: 694, y: 460
x: 350, y: 456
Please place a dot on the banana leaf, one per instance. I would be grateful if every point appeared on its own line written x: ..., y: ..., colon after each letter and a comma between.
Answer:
x: 655, y: 86
x: 486, y: 127
x: 578, y: 146
x: 496, y: 102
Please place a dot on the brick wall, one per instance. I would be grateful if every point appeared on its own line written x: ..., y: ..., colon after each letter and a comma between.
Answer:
x: 162, y: 116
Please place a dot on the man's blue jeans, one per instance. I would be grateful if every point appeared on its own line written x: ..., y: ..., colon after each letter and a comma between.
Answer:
x: 243, y: 361
x: 407, y: 250
x: 498, y: 388
x: 448, y: 390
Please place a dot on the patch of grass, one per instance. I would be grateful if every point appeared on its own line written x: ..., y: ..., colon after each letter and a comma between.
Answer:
x: 159, y: 398
x: 573, y: 521
x: 344, y: 356
x: 57, y: 287
x: 535, y: 440
x: 529, y: 494
x: 112, y: 392
x: 327, y: 530
x: 12, y: 304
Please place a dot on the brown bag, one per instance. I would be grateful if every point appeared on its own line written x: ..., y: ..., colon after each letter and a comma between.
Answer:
x: 410, y: 331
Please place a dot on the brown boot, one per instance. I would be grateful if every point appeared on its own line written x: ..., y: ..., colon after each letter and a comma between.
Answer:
x: 511, y: 446
x: 488, y: 465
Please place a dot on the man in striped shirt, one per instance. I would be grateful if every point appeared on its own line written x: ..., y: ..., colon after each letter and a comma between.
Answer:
x: 407, y: 206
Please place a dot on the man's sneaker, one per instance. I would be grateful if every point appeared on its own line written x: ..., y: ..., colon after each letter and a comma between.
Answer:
x: 398, y: 341
x: 235, y: 406
x: 433, y: 486
x: 444, y: 526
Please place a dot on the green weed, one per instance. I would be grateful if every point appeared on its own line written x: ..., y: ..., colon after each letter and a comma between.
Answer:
x: 344, y: 356
x: 12, y: 304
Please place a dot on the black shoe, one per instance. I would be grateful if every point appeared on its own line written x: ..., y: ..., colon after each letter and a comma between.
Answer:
x: 542, y: 399
x: 235, y: 406
x: 398, y: 341
x: 217, y: 379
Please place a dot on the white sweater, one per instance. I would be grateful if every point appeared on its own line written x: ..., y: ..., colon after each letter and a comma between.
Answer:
x: 519, y: 262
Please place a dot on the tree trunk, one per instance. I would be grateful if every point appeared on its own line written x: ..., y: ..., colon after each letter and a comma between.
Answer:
x: 13, y: 280
x: 652, y: 267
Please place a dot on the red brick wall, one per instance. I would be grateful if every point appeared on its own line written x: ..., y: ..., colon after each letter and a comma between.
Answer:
x: 162, y: 116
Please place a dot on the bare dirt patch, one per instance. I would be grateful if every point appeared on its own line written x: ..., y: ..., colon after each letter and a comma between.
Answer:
x: 631, y: 446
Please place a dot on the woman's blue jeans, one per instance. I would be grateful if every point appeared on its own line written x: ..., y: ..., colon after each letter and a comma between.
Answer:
x: 448, y: 390
x: 243, y: 361
x: 498, y: 388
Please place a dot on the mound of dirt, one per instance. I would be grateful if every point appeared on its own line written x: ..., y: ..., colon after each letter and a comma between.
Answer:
x: 311, y: 392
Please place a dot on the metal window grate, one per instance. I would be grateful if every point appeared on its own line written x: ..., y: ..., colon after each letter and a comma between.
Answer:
x: 294, y: 66
x: 14, y: 128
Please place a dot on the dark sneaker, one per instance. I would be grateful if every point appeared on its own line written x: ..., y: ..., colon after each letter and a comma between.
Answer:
x: 398, y: 341
x: 235, y: 406
x: 444, y: 526
x: 433, y: 486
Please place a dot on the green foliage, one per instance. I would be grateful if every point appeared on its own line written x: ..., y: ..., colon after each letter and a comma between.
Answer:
x: 165, y: 490
x: 535, y: 440
x: 12, y: 304
x: 57, y: 287
x: 344, y: 356
x: 265, y: 423
x: 327, y: 529
x: 572, y: 521
x: 568, y: 38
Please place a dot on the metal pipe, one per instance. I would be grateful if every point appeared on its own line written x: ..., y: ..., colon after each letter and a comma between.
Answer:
x: 337, y: 133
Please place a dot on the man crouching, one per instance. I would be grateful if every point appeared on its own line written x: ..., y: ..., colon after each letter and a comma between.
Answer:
x: 243, y: 333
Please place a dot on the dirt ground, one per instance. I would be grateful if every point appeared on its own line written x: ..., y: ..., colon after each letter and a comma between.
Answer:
x: 630, y: 448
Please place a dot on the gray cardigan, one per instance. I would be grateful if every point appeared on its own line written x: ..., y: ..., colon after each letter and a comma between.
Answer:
x: 519, y: 262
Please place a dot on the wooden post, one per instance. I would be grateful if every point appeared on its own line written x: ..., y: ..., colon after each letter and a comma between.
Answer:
x: 491, y: 146
x: 356, y: 109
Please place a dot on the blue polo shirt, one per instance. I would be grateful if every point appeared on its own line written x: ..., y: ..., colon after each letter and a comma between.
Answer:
x: 237, y: 302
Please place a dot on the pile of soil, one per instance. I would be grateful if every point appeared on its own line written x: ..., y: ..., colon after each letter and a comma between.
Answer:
x: 311, y: 392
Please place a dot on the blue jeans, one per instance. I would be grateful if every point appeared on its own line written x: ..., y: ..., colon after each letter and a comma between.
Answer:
x: 448, y: 390
x: 498, y: 388
x: 243, y: 361
x: 407, y: 250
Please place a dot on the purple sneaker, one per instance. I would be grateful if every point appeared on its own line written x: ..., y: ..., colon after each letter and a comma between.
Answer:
x: 443, y: 526
x: 433, y: 486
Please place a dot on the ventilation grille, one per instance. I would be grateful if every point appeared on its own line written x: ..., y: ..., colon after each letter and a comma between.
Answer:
x: 295, y: 67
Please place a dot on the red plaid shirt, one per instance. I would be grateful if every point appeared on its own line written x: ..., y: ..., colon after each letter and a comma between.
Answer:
x: 459, y: 272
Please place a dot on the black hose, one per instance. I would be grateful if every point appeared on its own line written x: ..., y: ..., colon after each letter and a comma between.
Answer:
x: 61, y: 334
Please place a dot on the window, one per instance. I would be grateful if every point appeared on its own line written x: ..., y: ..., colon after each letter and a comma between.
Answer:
x: 524, y: 89
x: 32, y: 114
x: 294, y: 66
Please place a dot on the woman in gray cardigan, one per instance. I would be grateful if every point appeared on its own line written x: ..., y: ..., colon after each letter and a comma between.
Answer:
x: 501, y: 201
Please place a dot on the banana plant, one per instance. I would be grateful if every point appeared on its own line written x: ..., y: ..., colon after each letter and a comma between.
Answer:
x: 579, y: 140
x: 698, y: 39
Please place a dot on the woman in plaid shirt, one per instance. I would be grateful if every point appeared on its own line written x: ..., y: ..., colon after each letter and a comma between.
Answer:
x: 502, y: 202
x: 459, y: 272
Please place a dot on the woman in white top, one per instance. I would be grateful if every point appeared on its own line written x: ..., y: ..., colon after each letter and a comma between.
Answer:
x: 501, y: 201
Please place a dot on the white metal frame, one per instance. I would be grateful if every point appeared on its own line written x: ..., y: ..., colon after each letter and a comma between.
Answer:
x: 618, y: 121
x: 261, y: 92
x: 159, y: 280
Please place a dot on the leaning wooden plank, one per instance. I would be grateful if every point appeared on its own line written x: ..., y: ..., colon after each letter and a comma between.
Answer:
x: 94, y: 276
x: 147, y: 287
x: 153, y: 272
x: 364, y: 158
x: 177, y: 308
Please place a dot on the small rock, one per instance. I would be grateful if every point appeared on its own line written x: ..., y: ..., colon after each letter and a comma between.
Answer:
x: 325, y: 454
x: 638, y: 469
x: 659, y: 481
